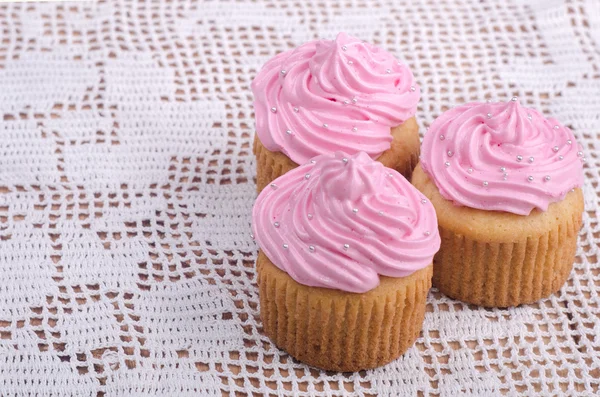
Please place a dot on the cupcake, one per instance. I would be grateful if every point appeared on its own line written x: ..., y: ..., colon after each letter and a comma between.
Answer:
x: 344, y: 265
x: 330, y: 95
x: 505, y: 183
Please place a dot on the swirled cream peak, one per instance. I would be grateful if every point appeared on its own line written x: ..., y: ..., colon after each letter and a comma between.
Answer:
x: 340, y: 221
x: 501, y: 156
x: 329, y: 95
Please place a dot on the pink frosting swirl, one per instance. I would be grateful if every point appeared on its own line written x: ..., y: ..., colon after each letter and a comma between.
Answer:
x: 501, y: 156
x: 340, y: 221
x: 332, y: 95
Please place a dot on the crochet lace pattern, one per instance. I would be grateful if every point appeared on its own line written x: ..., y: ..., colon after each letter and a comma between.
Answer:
x: 127, y: 183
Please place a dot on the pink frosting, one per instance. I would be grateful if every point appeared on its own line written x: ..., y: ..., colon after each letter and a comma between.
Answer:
x: 329, y: 95
x: 501, y: 156
x: 340, y: 221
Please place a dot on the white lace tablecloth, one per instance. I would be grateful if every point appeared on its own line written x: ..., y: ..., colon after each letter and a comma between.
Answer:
x: 127, y: 181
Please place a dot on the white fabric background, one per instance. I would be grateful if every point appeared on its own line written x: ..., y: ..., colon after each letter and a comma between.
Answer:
x: 126, y: 184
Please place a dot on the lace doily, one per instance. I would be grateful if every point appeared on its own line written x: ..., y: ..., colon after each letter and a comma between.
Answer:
x: 126, y: 185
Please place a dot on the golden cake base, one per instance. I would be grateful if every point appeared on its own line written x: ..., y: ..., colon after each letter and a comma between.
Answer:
x: 403, y: 155
x: 500, y: 259
x: 337, y: 330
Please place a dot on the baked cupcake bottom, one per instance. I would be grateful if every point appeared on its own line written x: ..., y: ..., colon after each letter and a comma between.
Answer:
x: 403, y: 155
x: 500, y: 259
x: 342, y: 331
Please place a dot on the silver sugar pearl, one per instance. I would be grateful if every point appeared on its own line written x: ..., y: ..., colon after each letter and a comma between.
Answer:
x: 447, y: 164
x: 325, y: 125
x: 423, y: 201
x: 296, y: 110
x: 569, y: 142
x: 450, y: 153
x: 489, y: 115
x: 346, y: 246
x: 274, y: 186
x: 311, y: 248
x: 306, y: 176
x: 252, y: 236
x: 285, y: 246
x: 519, y: 158
x: 344, y: 48
x: 427, y: 233
x: 560, y: 157
x: 310, y: 216
x: 354, y: 100
x: 380, y: 213
x: 350, y: 63
x: 344, y: 160
x: 274, y: 109
x: 547, y: 178
x: 354, y: 129
x: 346, y: 102
x: 514, y: 99
x: 442, y: 137
x: 555, y: 148
x: 580, y: 154
x: 530, y: 178
x: 388, y: 71
x: 289, y: 132
x: 485, y: 183
x: 502, y: 169
x: 390, y: 175
x: 505, y: 177
x: 556, y: 127
x: 413, y: 88
x: 470, y: 170
x: 528, y: 116
x: 276, y: 224
x: 313, y: 161
x: 355, y: 210
x: 531, y: 159
x: 283, y: 72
